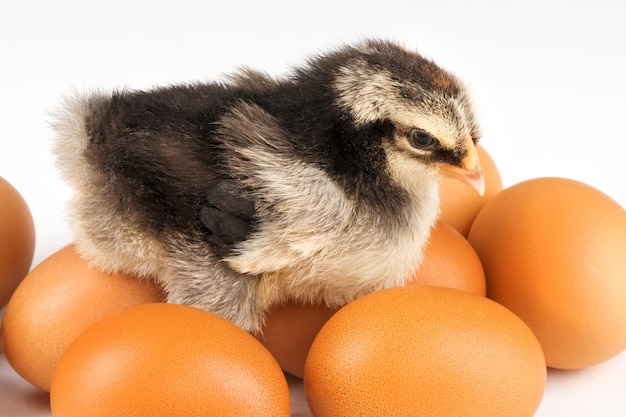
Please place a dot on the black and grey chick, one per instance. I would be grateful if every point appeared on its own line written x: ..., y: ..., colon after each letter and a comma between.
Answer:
x: 238, y: 195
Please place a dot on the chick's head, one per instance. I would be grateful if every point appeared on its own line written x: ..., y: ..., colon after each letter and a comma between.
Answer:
x: 432, y: 129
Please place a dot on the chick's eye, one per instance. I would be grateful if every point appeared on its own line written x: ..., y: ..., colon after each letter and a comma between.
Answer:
x: 422, y: 140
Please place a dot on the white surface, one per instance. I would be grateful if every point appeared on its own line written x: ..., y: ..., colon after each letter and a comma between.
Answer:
x: 547, y: 77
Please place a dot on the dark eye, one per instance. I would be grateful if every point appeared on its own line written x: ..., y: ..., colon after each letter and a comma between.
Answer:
x: 421, y: 140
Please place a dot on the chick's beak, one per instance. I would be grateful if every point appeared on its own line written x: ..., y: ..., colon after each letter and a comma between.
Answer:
x: 469, y: 172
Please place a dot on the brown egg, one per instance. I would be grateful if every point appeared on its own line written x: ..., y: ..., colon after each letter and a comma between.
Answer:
x: 427, y: 351
x: 289, y: 330
x: 167, y: 360
x: 17, y: 240
x: 450, y: 261
x: 460, y: 203
x: 554, y: 252
x: 60, y: 298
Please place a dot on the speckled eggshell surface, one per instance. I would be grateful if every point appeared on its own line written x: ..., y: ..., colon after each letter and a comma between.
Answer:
x: 57, y: 300
x: 167, y: 360
x: 554, y: 252
x: 427, y: 351
x: 17, y: 240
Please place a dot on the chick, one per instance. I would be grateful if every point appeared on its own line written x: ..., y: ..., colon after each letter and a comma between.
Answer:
x: 238, y: 195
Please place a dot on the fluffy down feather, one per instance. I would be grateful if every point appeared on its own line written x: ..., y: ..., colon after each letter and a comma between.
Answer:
x: 342, y: 200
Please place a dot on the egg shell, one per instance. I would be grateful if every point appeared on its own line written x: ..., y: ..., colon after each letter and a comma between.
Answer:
x: 17, y: 240
x: 460, y: 203
x: 450, y: 261
x: 60, y: 298
x: 289, y: 330
x: 167, y: 360
x: 424, y: 351
x: 554, y: 252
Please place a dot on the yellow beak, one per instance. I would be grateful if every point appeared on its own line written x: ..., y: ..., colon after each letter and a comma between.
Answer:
x: 469, y: 172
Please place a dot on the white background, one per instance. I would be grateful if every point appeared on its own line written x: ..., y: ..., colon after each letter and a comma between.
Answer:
x: 548, y: 79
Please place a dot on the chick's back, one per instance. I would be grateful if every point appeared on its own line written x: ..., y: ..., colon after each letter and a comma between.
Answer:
x: 158, y: 149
